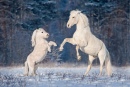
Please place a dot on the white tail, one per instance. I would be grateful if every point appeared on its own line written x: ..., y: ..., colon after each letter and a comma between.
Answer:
x: 108, y: 64
x: 26, y: 68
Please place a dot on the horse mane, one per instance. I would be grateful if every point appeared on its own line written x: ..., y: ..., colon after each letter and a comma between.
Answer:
x: 85, y: 19
x: 75, y: 12
x: 34, y: 38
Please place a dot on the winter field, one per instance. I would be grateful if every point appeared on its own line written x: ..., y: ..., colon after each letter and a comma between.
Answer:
x: 64, y: 77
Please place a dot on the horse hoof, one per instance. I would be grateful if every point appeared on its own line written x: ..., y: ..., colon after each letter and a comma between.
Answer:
x: 55, y: 45
x: 60, y: 49
x: 83, y: 77
x: 33, y: 75
x: 79, y: 58
x: 25, y: 74
x: 86, y: 74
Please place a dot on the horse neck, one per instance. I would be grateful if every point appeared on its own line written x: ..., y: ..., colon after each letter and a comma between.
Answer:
x: 40, y: 40
x: 81, y: 26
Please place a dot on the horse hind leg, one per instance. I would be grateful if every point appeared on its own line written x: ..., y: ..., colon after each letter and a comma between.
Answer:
x: 91, y: 58
x: 101, y: 56
x: 32, y: 68
x: 26, y: 70
x: 35, y: 69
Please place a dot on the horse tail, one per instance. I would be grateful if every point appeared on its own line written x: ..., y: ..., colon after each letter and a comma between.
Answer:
x: 26, y: 68
x: 108, y: 64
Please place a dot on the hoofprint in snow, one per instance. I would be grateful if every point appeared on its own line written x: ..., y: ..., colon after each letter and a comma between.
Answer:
x: 64, y: 77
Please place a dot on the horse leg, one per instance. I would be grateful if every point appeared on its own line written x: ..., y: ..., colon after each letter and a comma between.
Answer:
x: 78, y: 56
x: 26, y: 69
x: 49, y: 48
x: 31, y: 68
x: 101, y: 56
x: 91, y: 58
x: 69, y: 40
x: 35, y: 68
x: 52, y: 43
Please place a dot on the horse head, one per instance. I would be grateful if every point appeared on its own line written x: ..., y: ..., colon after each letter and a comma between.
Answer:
x: 75, y: 17
x: 39, y: 33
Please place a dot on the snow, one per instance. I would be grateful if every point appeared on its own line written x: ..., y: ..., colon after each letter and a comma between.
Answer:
x: 64, y: 77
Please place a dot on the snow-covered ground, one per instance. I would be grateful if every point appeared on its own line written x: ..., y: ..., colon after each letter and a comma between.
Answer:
x: 64, y: 77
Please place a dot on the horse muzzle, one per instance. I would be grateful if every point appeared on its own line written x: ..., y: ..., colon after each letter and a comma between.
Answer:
x: 47, y: 35
x: 68, y: 25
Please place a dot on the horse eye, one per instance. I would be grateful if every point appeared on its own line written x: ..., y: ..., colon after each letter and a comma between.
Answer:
x: 73, y: 17
x: 42, y: 32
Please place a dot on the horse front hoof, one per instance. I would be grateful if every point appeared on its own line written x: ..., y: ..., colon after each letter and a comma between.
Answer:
x: 55, y: 45
x: 61, y: 49
x: 79, y: 58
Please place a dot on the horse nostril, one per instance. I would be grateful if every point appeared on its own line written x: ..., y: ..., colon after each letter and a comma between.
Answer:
x: 47, y: 34
x: 68, y: 25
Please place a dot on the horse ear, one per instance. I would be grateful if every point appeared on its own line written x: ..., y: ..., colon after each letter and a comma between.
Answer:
x: 34, y: 38
x: 79, y: 12
x: 40, y: 28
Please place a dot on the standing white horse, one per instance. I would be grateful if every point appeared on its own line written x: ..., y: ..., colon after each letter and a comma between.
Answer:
x: 41, y: 47
x: 87, y: 42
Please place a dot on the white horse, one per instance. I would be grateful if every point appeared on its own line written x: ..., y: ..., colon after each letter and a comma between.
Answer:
x: 41, y: 47
x: 87, y: 42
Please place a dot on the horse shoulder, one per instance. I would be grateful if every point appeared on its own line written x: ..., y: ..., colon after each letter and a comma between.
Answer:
x: 81, y: 38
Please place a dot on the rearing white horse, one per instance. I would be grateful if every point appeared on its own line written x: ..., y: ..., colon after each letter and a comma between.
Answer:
x: 87, y: 42
x: 41, y: 47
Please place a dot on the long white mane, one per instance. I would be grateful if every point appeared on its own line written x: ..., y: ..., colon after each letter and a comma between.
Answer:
x: 34, y: 38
